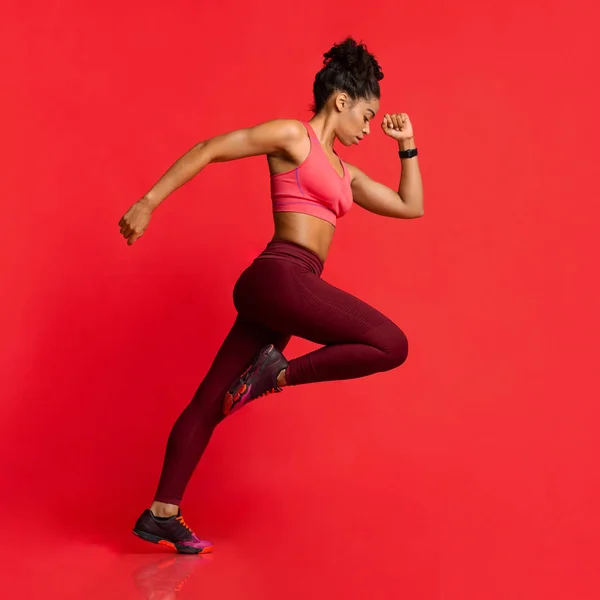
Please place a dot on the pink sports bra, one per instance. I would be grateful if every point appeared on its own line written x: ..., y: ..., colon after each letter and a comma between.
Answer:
x: 314, y: 187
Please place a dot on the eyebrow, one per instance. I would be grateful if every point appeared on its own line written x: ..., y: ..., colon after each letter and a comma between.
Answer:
x: 372, y: 111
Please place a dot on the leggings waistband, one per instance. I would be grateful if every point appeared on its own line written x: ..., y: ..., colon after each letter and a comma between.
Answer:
x: 284, y: 250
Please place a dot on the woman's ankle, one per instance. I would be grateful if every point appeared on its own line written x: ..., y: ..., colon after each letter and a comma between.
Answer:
x: 162, y: 509
x: 281, y: 380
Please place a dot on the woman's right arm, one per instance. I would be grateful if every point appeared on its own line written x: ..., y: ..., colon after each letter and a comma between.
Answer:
x: 273, y: 137
x: 276, y: 137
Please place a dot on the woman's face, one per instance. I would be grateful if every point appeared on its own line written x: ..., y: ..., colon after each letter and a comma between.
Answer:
x: 355, y: 119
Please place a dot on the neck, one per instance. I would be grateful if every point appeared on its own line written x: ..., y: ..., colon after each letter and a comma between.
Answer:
x: 324, y: 126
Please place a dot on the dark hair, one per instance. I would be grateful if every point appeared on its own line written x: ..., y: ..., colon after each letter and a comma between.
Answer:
x: 350, y: 68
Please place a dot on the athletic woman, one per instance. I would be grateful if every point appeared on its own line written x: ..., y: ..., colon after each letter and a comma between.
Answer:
x: 281, y: 293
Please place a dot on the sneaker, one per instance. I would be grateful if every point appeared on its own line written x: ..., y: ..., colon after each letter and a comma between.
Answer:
x: 172, y: 532
x: 259, y: 379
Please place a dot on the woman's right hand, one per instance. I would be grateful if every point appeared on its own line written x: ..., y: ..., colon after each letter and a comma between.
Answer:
x: 135, y: 221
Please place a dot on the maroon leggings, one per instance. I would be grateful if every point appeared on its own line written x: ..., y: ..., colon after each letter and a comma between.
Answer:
x: 279, y: 295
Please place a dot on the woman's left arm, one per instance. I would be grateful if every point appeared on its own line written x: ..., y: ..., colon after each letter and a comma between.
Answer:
x: 375, y: 197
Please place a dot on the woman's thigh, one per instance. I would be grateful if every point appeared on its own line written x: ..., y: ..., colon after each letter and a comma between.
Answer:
x: 287, y: 298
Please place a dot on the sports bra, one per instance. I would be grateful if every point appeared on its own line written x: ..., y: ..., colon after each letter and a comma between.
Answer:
x: 314, y: 187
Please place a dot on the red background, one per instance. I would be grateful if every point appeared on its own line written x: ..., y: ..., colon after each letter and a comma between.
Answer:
x: 471, y: 471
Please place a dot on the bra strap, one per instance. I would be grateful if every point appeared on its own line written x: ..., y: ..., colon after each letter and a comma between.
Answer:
x: 311, y: 132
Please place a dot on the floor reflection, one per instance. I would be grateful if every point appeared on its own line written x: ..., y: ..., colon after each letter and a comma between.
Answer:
x: 161, y: 578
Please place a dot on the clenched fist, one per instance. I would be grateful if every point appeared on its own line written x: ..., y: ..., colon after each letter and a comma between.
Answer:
x: 397, y: 126
x: 135, y: 221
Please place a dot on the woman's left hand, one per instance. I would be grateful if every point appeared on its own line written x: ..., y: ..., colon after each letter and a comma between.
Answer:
x: 397, y: 126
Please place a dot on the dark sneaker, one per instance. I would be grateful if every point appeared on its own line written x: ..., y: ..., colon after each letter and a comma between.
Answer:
x: 259, y: 379
x: 172, y: 532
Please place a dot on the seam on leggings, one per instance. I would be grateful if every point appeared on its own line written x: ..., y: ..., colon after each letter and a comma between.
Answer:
x: 340, y: 310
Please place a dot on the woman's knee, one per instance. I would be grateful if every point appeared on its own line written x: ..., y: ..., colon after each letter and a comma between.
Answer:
x: 394, y: 344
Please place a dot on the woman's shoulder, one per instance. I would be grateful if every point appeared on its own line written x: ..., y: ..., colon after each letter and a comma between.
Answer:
x: 291, y: 128
x: 353, y: 171
x: 284, y: 138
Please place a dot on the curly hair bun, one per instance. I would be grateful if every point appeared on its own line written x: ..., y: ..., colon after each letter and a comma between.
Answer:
x: 355, y: 58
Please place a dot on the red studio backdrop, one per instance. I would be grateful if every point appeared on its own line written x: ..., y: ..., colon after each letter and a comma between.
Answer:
x: 469, y: 472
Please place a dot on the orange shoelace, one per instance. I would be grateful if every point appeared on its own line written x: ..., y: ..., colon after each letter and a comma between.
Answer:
x: 182, y: 521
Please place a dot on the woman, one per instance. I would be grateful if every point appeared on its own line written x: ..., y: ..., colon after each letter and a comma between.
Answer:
x: 281, y: 293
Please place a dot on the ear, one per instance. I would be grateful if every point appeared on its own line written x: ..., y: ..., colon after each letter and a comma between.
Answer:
x: 342, y: 102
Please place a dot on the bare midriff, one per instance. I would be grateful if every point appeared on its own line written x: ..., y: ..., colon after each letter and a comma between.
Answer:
x: 305, y: 230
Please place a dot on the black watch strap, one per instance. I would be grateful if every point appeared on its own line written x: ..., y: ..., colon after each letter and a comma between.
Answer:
x: 408, y: 153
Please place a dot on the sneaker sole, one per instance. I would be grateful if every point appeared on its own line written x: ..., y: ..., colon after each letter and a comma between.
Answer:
x: 148, y: 537
x: 232, y: 397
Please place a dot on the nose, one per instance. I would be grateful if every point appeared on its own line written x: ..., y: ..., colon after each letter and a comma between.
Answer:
x: 367, y: 128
